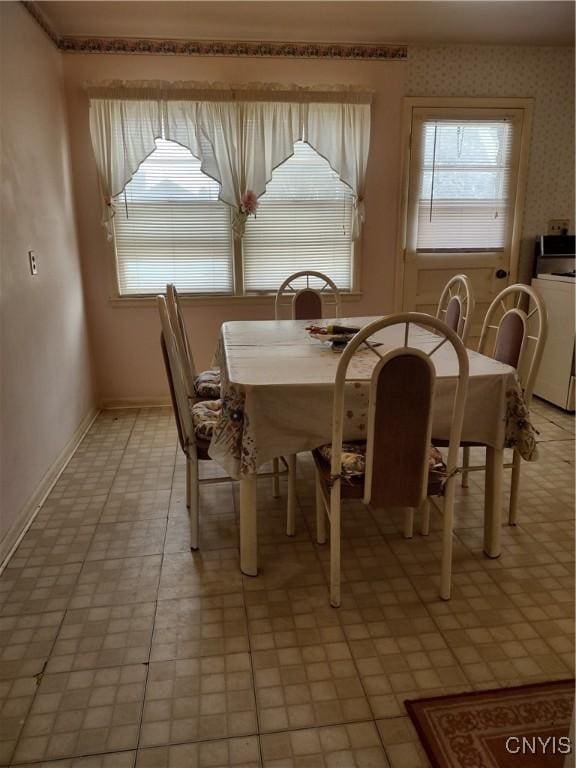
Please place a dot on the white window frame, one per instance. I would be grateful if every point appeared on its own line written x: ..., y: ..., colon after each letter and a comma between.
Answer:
x: 238, y: 295
x: 458, y: 107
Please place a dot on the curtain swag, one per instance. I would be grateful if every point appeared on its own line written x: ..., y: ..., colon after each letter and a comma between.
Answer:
x: 240, y: 134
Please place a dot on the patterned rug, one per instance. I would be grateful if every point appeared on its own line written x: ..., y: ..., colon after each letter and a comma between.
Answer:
x: 519, y: 727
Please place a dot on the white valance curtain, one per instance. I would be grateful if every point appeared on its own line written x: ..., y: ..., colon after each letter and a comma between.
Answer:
x: 240, y: 136
x: 123, y: 135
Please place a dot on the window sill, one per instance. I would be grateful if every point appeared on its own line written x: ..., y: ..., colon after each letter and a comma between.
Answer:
x: 143, y: 302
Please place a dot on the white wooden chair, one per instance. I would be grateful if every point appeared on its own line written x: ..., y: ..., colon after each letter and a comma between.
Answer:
x: 305, y: 301
x: 514, y: 332
x: 200, y: 386
x: 396, y: 466
x: 206, y: 385
x: 456, y: 306
x: 195, y: 422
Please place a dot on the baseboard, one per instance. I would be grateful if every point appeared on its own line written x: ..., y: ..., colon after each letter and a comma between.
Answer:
x: 135, y: 402
x: 30, y: 510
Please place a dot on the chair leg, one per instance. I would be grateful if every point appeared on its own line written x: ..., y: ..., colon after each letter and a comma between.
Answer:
x: 447, y: 540
x: 193, y: 491
x: 335, y: 547
x: 320, y: 512
x: 465, y: 465
x: 408, y: 522
x: 291, y: 513
x: 275, y: 479
x: 188, y: 486
x: 425, y: 517
x: 514, y: 489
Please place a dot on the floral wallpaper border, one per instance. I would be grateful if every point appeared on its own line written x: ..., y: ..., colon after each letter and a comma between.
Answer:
x: 168, y: 47
x: 229, y: 48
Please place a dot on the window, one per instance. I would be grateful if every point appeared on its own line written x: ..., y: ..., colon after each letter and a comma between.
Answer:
x: 303, y: 222
x: 464, y: 184
x: 169, y: 226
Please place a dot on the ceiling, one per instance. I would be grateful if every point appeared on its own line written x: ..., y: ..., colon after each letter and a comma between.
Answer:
x: 515, y: 22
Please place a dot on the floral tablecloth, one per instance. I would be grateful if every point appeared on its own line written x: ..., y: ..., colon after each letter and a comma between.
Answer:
x: 277, y: 385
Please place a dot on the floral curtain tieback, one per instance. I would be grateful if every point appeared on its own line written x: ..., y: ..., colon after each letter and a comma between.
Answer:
x: 248, y: 207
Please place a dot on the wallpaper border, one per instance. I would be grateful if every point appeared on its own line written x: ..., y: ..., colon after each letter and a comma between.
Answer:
x: 237, y: 48
x: 231, y: 48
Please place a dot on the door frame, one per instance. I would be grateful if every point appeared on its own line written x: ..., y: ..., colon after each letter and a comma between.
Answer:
x: 435, y: 102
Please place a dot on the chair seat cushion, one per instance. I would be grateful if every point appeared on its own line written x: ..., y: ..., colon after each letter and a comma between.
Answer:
x: 353, y: 465
x: 207, y: 384
x: 204, y: 418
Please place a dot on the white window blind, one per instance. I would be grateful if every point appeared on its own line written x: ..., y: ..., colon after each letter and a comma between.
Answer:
x: 170, y: 226
x: 303, y: 222
x: 465, y: 185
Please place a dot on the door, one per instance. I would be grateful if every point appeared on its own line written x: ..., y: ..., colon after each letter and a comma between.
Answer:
x: 463, y: 200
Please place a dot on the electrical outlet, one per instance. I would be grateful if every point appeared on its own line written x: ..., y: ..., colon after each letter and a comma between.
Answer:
x: 33, y: 263
x: 558, y: 226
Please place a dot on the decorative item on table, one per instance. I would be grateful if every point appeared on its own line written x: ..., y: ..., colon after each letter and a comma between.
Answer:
x: 336, y: 335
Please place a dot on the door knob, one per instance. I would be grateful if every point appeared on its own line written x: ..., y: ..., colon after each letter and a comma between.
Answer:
x: 501, y: 274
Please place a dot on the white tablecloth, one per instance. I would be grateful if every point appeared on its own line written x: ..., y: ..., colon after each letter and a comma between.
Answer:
x: 277, y: 385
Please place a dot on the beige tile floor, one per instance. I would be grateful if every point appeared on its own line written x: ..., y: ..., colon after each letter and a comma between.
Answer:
x: 119, y: 648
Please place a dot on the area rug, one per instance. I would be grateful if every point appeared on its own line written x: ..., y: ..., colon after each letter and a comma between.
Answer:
x: 523, y: 727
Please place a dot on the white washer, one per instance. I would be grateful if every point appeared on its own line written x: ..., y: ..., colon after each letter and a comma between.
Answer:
x: 556, y: 381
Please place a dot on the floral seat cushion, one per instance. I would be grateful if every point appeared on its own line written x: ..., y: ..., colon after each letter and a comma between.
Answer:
x: 204, y: 418
x: 353, y: 464
x: 207, y: 384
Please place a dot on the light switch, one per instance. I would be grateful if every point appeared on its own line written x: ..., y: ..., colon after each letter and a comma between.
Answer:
x: 33, y: 264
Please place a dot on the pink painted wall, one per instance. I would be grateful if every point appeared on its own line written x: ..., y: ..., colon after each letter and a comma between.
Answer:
x: 47, y: 389
x: 126, y: 348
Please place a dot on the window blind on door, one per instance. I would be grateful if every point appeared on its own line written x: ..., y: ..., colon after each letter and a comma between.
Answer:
x: 169, y: 226
x: 303, y: 222
x: 465, y: 200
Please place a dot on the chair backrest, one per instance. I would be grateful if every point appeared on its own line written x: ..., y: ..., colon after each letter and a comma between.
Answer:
x: 456, y: 306
x: 181, y: 337
x: 306, y: 301
x: 179, y: 427
x: 176, y: 380
x: 400, y: 406
x: 514, y: 332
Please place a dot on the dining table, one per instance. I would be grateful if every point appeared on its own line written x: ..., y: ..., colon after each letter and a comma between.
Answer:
x: 277, y: 384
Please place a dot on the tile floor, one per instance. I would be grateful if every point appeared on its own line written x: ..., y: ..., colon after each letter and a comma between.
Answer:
x: 119, y: 648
